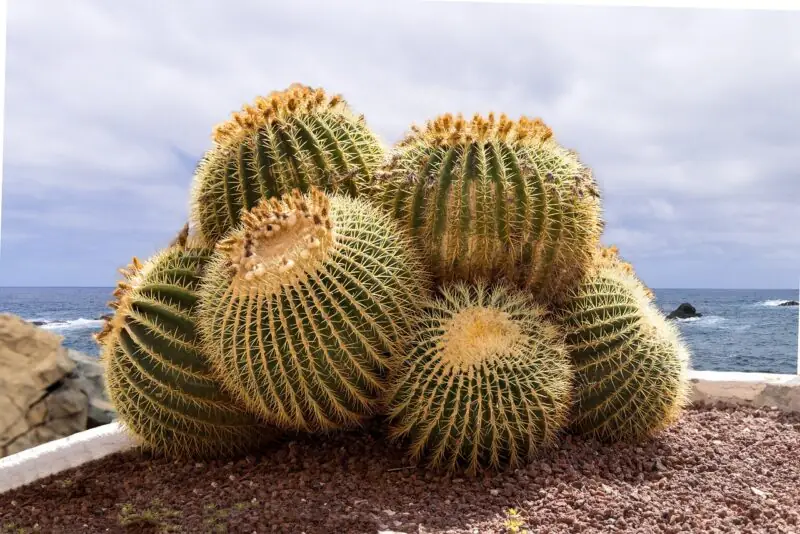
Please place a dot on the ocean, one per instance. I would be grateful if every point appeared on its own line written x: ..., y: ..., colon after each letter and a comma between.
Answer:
x: 740, y: 330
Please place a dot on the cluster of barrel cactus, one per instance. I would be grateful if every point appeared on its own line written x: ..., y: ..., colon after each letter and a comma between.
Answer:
x: 453, y: 284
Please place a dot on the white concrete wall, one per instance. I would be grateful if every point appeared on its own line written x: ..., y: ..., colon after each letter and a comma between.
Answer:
x: 708, y: 387
x: 749, y: 389
x: 59, y: 455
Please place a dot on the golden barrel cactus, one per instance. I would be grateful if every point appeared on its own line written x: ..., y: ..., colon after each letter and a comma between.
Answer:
x: 486, y: 383
x: 630, y: 362
x: 158, y: 376
x: 295, y: 138
x: 305, y: 306
x: 494, y: 197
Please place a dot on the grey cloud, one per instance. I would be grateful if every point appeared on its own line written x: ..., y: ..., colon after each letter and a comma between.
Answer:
x: 686, y: 116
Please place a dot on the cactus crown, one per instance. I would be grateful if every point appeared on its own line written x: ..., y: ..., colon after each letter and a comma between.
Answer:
x: 121, y: 289
x: 281, y: 240
x: 476, y: 335
x: 275, y: 107
x: 451, y: 130
x: 608, y: 257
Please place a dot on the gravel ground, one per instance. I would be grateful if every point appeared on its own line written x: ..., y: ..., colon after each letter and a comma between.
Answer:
x: 717, y: 470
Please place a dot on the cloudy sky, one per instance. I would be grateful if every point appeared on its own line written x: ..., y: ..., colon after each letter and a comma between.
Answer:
x: 685, y: 116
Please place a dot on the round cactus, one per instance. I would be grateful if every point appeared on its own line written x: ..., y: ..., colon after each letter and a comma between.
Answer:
x: 158, y: 378
x: 304, y: 306
x: 487, y: 382
x: 491, y: 197
x: 295, y: 138
x: 630, y: 362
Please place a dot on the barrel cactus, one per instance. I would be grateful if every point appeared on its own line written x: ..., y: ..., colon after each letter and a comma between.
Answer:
x: 305, y: 306
x: 158, y: 377
x: 494, y: 197
x: 486, y: 383
x: 295, y: 138
x: 630, y: 362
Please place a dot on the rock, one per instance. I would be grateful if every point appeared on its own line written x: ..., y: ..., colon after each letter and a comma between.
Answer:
x: 684, y: 311
x: 38, y: 323
x: 41, y: 398
x: 89, y: 371
x: 789, y: 303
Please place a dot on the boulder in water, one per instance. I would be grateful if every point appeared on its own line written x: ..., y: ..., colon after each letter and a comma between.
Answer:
x: 89, y: 371
x: 684, y: 311
x: 789, y: 303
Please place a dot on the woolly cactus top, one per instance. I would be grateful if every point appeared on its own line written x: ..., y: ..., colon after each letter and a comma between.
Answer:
x: 477, y: 335
x: 275, y: 107
x: 450, y: 130
x: 280, y: 240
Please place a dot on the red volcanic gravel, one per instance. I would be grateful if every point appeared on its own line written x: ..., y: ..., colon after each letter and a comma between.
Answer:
x: 717, y: 470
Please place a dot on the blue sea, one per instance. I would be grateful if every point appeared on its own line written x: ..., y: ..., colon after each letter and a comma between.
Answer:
x: 740, y: 330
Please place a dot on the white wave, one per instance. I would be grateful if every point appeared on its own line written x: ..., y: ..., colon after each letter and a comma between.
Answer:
x: 75, y: 324
x: 777, y: 302
x: 705, y: 320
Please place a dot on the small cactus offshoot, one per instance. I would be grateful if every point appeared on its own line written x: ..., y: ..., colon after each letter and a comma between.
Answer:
x: 295, y: 138
x: 486, y: 383
x: 610, y: 255
x: 630, y: 362
x: 158, y: 378
x: 305, y: 306
x: 494, y: 197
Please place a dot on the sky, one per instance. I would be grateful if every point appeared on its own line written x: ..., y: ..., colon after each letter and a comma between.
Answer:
x: 685, y: 116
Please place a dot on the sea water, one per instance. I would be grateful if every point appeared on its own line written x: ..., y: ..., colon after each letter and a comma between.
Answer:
x: 740, y: 330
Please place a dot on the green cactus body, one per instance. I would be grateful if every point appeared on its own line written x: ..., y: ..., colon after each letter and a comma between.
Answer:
x: 159, y: 380
x: 305, y: 305
x: 296, y: 138
x: 494, y: 197
x: 486, y: 383
x: 630, y: 363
